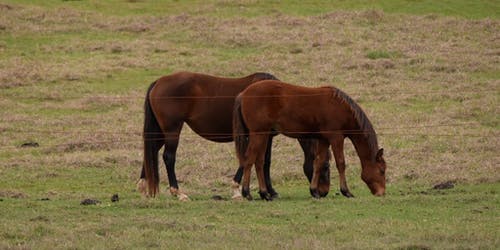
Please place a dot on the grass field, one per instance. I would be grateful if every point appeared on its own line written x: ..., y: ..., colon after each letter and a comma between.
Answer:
x: 73, y: 75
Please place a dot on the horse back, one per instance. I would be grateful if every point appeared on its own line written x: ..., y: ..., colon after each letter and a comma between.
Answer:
x: 188, y: 84
x: 204, y: 102
x: 289, y: 108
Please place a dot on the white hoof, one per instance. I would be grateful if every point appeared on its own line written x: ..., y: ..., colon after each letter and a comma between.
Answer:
x: 237, y: 197
x: 236, y: 188
x: 142, y: 188
x: 179, y: 195
x: 183, y: 197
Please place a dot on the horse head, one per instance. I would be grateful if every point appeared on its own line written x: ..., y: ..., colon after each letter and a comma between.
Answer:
x: 324, y: 180
x: 373, y: 174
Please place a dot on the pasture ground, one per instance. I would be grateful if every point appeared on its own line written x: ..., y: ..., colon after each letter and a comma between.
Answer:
x: 73, y: 75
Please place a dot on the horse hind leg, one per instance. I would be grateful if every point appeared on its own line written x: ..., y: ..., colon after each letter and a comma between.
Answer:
x: 169, y: 157
x: 254, y: 155
x: 259, y: 148
x: 267, y: 170
x: 246, y: 163
x: 141, y: 183
x: 245, y: 185
x: 235, y: 186
x: 267, y: 176
x: 157, y: 143
x: 259, y: 168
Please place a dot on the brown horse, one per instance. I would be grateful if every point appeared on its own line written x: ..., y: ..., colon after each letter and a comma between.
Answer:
x: 205, y: 103
x: 326, y: 114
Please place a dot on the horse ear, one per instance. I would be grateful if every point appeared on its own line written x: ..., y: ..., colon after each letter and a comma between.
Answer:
x: 380, y: 153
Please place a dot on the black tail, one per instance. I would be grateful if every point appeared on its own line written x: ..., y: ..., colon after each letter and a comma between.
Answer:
x: 240, y: 130
x: 153, y: 140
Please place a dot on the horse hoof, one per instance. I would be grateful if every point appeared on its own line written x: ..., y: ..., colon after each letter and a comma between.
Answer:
x: 246, y: 193
x: 274, y: 194
x: 183, y: 197
x: 237, y: 197
x: 266, y: 196
x: 174, y: 191
x: 314, y: 193
x: 235, y: 185
x: 142, y: 188
x: 346, y: 193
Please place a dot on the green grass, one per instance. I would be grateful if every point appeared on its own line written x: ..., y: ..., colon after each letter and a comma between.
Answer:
x: 412, y: 217
x: 73, y: 76
x: 377, y: 54
x: 460, y: 8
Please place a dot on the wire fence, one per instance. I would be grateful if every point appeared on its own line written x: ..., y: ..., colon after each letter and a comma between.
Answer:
x: 211, y: 97
x: 139, y: 137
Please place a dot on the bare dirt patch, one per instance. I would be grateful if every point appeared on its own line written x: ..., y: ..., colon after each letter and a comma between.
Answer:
x: 444, y: 185
x: 87, y: 202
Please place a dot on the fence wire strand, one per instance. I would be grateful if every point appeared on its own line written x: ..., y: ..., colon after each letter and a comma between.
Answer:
x: 406, y: 131
x: 386, y: 131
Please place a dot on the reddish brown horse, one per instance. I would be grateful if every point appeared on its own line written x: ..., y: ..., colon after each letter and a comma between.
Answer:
x: 205, y: 103
x: 326, y: 114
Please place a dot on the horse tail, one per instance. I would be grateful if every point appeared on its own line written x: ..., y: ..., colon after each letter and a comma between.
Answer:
x: 152, y: 136
x: 240, y: 130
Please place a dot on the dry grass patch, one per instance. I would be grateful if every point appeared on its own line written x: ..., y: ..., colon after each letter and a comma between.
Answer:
x: 74, y: 81
x: 418, y: 78
x: 12, y: 194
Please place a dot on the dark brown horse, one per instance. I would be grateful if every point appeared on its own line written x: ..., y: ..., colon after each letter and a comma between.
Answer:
x: 326, y: 114
x: 206, y: 104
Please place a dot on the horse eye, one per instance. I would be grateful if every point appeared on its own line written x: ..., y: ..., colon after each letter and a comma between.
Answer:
x: 382, y: 171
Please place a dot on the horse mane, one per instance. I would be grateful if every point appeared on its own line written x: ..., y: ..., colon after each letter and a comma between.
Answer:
x: 259, y: 76
x: 365, y: 126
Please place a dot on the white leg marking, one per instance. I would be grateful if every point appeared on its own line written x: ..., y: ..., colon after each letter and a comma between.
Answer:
x: 236, y: 188
x: 141, y: 187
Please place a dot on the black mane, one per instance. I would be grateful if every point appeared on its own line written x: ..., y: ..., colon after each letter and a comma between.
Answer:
x: 264, y: 76
x: 365, y: 126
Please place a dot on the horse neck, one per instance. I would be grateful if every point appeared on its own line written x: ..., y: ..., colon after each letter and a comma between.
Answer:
x: 364, y: 137
x: 365, y: 151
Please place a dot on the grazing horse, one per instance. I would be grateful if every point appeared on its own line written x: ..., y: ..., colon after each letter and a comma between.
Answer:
x: 205, y: 103
x: 326, y: 114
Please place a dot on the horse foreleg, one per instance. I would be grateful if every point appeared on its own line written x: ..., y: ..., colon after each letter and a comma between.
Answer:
x: 309, y: 153
x: 338, y: 152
